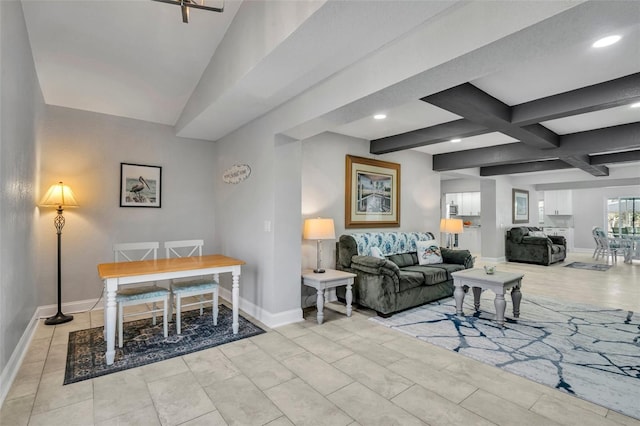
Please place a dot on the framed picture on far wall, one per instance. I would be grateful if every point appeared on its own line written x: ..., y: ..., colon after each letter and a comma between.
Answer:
x: 140, y: 186
x: 372, y: 193
x: 520, y: 199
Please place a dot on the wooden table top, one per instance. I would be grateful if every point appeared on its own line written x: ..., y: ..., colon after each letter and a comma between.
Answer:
x: 143, y: 267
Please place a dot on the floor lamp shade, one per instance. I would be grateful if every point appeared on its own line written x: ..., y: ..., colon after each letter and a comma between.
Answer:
x: 59, y: 196
x: 319, y: 229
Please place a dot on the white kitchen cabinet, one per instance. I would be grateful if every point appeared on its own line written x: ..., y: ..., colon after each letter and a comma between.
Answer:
x: 470, y: 204
x: 558, y: 203
x: 455, y: 198
x: 470, y: 239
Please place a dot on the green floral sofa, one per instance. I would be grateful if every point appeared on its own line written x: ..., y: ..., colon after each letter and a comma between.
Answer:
x: 395, y: 280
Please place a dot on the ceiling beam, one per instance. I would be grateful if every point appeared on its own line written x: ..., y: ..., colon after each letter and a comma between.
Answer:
x: 481, y: 108
x: 610, y: 94
x: 533, y: 166
x: 616, y: 157
x: 582, y: 162
x: 427, y: 136
x: 625, y: 137
x: 491, y: 156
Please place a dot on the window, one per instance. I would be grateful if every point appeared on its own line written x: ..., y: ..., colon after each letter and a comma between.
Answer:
x: 623, y: 216
x: 541, y: 212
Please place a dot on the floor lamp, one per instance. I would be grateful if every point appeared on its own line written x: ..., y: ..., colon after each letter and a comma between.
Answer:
x: 59, y: 196
x: 451, y: 226
x: 319, y: 229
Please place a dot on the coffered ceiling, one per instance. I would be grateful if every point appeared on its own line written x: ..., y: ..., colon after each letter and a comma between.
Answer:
x: 520, y: 84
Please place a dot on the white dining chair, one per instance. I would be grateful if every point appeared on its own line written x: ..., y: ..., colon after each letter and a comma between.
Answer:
x: 139, y: 295
x: 198, y: 288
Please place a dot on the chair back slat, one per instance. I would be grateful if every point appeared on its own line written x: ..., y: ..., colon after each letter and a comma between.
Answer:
x: 183, y: 248
x: 135, y: 251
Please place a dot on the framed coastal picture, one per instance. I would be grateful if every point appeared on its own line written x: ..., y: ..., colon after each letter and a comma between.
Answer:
x: 140, y: 185
x: 372, y: 193
x: 520, y: 200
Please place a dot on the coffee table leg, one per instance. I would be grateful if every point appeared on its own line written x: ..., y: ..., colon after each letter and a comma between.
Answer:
x: 320, y: 305
x: 477, y: 291
x: 501, y: 306
x: 458, y: 295
x: 516, y: 297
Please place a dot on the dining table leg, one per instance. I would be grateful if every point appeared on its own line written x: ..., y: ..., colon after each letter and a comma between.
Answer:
x: 235, y: 296
x: 110, y: 324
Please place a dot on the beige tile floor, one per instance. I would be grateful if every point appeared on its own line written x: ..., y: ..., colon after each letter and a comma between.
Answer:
x: 347, y: 371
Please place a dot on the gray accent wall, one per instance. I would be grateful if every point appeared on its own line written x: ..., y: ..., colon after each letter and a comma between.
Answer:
x: 21, y: 103
x: 85, y: 149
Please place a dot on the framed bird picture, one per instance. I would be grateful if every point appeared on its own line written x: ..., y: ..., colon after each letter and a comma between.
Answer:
x: 140, y: 186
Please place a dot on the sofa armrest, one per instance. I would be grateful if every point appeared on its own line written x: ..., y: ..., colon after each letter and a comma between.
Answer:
x: 536, y: 241
x: 373, y: 265
x: 458, y: 257
x: 376, y: 266
x: 558, y: 239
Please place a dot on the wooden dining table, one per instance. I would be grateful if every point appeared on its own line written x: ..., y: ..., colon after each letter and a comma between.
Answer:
x: 122, y: 273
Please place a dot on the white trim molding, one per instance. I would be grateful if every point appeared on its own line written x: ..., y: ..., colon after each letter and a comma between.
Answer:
x: 10, y: 371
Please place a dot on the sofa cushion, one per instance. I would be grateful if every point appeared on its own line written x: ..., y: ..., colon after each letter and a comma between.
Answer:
x: 449, y: 268
x: 404, y: 259
x: 428, y: 252
x: 410, y: 279
x: 430, y: 275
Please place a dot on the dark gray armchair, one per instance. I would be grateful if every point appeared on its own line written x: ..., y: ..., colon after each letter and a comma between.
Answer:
x: 530, y: 245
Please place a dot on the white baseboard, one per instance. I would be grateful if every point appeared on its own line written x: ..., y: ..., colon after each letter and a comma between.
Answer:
x: 10, y: 371
x: 267, y: 318
x: 494, y: 259
x: 68, y: 308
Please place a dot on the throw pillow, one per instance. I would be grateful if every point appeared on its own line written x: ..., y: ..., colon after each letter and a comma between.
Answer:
x: 376, y: 252
x: 537, y: 234
x: 428, y: 252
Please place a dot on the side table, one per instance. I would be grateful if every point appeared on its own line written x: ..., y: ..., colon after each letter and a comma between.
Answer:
x: 329, y: 279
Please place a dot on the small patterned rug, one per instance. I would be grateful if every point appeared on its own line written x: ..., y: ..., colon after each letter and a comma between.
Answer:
x: 586, y: 351
x: 589, y: 266
x: 144, y: 343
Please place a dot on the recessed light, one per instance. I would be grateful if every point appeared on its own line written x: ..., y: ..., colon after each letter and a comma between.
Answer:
x: 456, y: 140
x: 607, y: 41
x: 380, y: 116
x: 636, y: 105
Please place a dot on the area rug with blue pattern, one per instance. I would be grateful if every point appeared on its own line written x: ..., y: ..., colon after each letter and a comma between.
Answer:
x: 145, y: 343
x: 586, y: 351
x: 589, y: 266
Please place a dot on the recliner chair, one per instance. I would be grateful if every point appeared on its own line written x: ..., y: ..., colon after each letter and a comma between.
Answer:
x: 531, y: 245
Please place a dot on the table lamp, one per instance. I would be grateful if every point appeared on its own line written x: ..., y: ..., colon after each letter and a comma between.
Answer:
x: 59, y: 196
x: 451, y: 226
x: 319, y: 229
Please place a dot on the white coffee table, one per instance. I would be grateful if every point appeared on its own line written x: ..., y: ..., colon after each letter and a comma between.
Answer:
x: 329, y: 279
x: 499, y: 283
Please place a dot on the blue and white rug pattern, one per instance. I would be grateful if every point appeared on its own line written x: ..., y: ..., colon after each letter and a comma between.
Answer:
x: 590, y: 352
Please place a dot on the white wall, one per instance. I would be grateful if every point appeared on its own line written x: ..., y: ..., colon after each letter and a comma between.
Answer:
x: 323, y: 189
x: 85, y: 150
x: 589, y: 210
x: 20, y: 106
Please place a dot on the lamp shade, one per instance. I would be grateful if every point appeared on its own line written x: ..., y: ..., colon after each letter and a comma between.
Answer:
x: 60, y: 196
x: 451, y: 226
x: 319, y: 229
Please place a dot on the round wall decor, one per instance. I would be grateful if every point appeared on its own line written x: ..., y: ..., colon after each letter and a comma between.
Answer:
x: 236, y: 173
